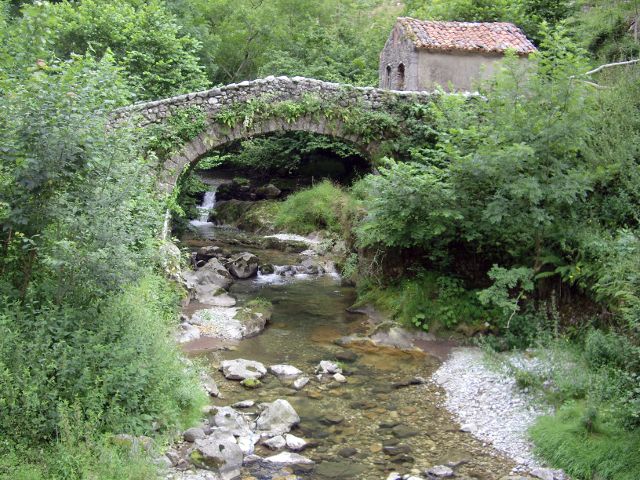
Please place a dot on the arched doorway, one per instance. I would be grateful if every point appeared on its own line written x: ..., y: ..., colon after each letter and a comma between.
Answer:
x: 400, y: 78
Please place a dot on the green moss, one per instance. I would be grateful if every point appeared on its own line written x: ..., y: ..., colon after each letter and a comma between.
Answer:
x: 249, y: 216
x: 586, y: 446
x: 251, y: 383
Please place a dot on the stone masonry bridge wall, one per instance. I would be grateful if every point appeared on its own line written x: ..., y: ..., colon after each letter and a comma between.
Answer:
x: 270, y: 90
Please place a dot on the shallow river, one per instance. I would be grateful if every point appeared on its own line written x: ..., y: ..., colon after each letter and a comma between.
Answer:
x: 362, y: 429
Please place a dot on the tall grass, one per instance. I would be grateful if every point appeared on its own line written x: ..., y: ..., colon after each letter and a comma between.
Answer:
x: 324, y: 206
x: 587, y: 447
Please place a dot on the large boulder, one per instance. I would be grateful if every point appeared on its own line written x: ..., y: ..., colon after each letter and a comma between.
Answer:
x: 219, y: 453
x: 232, y: 421
x: 241, y: 369
x: 243, y: 265
x: 269, y: 191
x: 276, y: 418
x: 206, y: 253
x: 209, y: 282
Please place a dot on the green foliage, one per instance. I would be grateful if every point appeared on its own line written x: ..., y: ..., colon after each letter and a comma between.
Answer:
x: 605, y: 28
x: 143, y: 37
x: 322, y: 207
x: 84, y: 322
x: 506, y: 282
x: 77, y: 453
x: 411, y: 205
x: 334, y: 40
x: 587, y: 447
x: 180, y: 128
x: 427, y: 300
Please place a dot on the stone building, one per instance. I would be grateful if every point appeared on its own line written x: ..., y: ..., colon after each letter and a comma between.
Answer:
x: 421, y: 54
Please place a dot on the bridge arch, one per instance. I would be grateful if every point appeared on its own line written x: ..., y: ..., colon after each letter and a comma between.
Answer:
x: 362, y: 116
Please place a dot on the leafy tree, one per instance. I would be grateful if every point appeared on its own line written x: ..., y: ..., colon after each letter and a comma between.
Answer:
x: 144, y: 38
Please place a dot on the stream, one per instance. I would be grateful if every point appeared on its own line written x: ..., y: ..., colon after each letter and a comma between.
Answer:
x: 385, y: 418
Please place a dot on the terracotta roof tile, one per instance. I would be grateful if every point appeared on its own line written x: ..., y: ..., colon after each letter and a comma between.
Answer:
x: 491, y: 37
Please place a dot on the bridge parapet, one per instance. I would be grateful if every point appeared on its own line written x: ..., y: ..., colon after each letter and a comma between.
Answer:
x: 276, y: 89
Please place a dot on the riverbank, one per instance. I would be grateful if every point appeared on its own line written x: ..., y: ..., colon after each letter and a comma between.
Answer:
x: 488, y: 405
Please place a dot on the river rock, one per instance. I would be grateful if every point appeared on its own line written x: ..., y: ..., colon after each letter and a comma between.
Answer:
x: 244, y: 404
x: 241, y: 369
x: 232, y: 421
x: 295, y: 443
x: 269, y: 191
x: 275, y: 443
x: 247, y: 443
x: 219, y: 453
x: 338, y: 377
x: 300, y: 383
x: 403, y: 431
x: 209, y: 385
x: 208, y: 252
x: 187, y: 333
x: 251, y: 383
x: 547, y: 474
x: 439, y: 471
x: 267, y: 269
x: 288, y: 458
x: 208, y: 282
x: 277, y: 418
x: 243, y: 265
x: 327, y: 366
x: 193, y: 434
x: 284, y: 370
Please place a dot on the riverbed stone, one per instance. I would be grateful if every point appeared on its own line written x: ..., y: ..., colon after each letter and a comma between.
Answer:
x: 241, y: 369
x: 251, y: 383
x: 276, y: 418
x: 187, y: 333
x: 244, y: 265
x: 208, y: 252
x: 285, y: 370
x: 327, y: 366
x: 219, y: 453
x: 295, y: 443
x: 288, y: 458
x: 439, y: 471
x: 244, y: 404
x: 338, y: 377
x: 193, y: 434
x: 209, y: 281
x: 300, y: 383
x: 275, y: 443
x: 404, y: 431
x: 231, y: 420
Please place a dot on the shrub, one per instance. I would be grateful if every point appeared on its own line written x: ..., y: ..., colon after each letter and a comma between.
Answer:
x: 610, y: 349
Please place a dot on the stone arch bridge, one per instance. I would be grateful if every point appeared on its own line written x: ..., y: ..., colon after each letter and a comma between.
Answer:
x: 362, y: 116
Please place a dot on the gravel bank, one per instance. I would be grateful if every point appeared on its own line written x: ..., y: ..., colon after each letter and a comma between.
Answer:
x: 489, y: 405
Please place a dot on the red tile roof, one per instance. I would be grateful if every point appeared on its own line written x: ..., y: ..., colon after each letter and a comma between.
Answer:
x: 490, y: 37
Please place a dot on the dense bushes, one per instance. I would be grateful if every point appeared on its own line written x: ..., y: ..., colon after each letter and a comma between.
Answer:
x: 84, y: 320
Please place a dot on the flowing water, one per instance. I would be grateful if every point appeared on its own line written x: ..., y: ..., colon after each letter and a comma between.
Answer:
x: 362, y: 429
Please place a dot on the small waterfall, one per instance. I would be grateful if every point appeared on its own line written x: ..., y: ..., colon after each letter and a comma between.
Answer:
x: 208, y: 203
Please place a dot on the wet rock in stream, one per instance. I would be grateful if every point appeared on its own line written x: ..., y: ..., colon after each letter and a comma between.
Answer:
x: 241, y: 369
